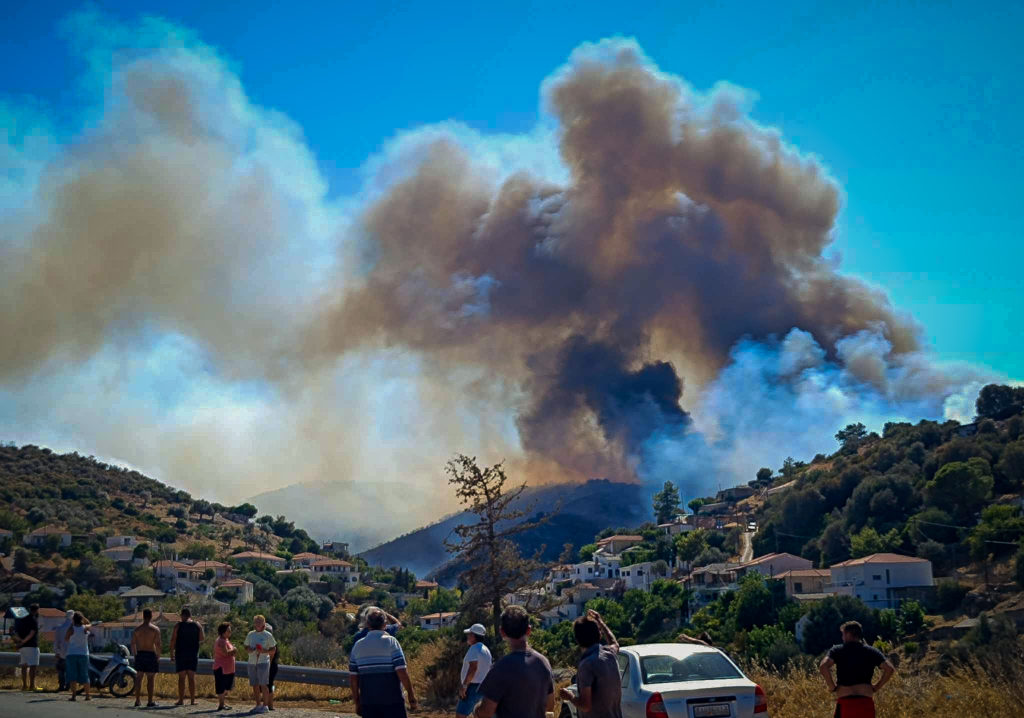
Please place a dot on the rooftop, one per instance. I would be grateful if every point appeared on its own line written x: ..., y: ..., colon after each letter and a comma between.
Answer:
x: 45, y: 530
x: 881, y: 558
x: 331, y: 562
x: 447, y: 614
x: 142, y: 592
x: 258, y: 555
x: 618, y: 537
x: 804, y: 573
x: 234, y: 583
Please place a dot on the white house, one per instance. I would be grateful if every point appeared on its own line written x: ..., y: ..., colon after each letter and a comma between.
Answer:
x: 221, y: 571
x: 243, y: 590
x: 139, y: 596
x: 583, y: 571
x: 563, y: 612
x: 773, y: 563
x: 618, y: 543
x: 179, y: 576
x: 876, y: 579
x: 436, y: 621
x: 557, y: 576
x: 679, y: 526
x: 639, y: 575
x: 39, y: 537
x: 306, y: 559
x: 606, y: 565
x: 804, y: 582
x: 335, y: 569
x: 257, y: 556
x: 114, y: 541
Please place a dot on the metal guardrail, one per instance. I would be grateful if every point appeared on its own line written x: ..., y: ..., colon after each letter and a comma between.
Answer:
x: 285, y: 674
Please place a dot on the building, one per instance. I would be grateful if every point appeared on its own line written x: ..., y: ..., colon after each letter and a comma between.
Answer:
x: 618, y: 544
x: 336, y: 570
x: 114, y: 541
x: 558, y: 577
x: 125, y: 554
x: 39, y: 537
x: 336, y: 548
x: 179, y: 577
x: 220, y: 570
x: 736, y: 493
x: 50, y: 619
x: 707, y: 582
x: 639, y: 575
x: 583, y: 571
x: 803, y: 582
x: 135, y: 598
x: 425, y: 587
x: 120, y: 631
x: 242, y: 589
x: 257, y: 556
x: 679, y: 526
x: 881, y: 579
x: 581, y: 593
x: 5, y: 535
x: 436, y: 621
x: 306, y: 559
x: 773, y: 563
x: 564, y: 612
x: 20, y: 584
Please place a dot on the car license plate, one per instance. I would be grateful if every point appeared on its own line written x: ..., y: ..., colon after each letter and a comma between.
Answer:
x: 712, y: 710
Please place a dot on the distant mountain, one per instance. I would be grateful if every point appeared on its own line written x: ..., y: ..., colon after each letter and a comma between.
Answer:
x: 364, y: 513
x: 586, y: 509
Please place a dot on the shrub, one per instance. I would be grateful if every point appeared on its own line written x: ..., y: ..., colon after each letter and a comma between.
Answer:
x: 949, y: 594
x: 316, y: 650
x: 772, y: 645
x: 910, y: 648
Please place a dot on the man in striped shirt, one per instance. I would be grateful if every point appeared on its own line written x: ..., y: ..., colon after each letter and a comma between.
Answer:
x: 377, y: 672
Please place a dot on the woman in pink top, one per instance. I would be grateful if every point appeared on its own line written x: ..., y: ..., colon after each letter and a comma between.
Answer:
x: 223, y: 664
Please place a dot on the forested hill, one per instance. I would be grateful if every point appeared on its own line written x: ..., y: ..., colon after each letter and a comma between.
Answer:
x: 39, y: 487
x: 947, y: 492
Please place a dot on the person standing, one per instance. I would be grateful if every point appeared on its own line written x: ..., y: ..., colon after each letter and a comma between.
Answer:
x: 377, y: 672
x: 261, y: 646
x: 60, y: 650
x: 26, y: 633
x: 855, y: 665
x: 521, y: 684
x: 223, y: 664
x: 77, y: 660
x: 146, y: 647
x: 598, y: 683
x: 185, y: 641
x: 272, y: 674
x: 475, y: 666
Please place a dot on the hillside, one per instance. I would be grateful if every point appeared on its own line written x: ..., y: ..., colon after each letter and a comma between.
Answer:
x: 586, y: 509
x: 91, y: 500
x: 947, y: 492
x: 351, y: 511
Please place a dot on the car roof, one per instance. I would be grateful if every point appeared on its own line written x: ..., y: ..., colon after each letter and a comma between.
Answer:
x: 678, y: 650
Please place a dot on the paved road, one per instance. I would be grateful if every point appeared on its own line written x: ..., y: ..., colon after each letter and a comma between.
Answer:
x: 51, y: 705
x: 746, y: 547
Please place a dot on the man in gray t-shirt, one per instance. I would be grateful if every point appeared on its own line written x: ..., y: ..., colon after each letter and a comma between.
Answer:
x: 520, y: 685
x: 598, y: 684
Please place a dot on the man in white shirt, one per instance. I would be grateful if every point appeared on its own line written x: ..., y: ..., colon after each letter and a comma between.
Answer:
x: 261, y: 646
x: 475, y: 667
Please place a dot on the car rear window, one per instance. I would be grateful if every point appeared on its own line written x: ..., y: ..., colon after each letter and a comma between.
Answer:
x: 695, y: 667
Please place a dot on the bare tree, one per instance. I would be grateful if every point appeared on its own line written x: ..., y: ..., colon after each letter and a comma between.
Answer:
x: 494, y: 564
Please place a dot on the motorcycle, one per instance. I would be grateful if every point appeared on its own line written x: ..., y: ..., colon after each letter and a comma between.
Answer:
x: 114, y: 673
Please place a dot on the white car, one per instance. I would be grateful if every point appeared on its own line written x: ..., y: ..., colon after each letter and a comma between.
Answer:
x: 679, y: 680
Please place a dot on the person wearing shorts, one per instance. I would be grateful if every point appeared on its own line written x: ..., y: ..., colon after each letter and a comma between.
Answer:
x: 223, y: 664
x: 273, y: 671
x: 855, y: 665
x: 185, y: 641
x: 145, y: 646
x: 26, y: 632
x: 261, y: 646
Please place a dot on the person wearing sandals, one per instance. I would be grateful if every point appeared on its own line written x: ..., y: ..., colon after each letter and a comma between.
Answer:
x: 77, y: 659
x: 223, y: 664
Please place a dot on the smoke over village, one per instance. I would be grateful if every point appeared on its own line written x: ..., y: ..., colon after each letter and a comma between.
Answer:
x: 640, y: 289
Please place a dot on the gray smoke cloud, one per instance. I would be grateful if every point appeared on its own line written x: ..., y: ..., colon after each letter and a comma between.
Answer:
x: 563, y: 300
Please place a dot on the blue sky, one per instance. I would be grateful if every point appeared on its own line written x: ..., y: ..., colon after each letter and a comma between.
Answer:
x: 913, y: 107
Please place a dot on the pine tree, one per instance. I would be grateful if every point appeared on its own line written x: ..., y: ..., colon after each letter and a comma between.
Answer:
x: 495, y: 566
x: 666, y: 503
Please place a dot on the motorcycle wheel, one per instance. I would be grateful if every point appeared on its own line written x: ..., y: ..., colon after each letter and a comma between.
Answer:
x: 123, y: 686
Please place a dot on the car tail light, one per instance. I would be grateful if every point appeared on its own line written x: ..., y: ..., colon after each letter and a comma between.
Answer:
x: 656, y: 707
x: 760, y: 700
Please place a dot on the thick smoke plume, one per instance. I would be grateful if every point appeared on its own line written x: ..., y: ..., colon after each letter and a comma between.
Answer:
x: 477, y: 295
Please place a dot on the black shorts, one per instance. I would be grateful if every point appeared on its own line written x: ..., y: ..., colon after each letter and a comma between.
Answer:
x: 223, y: 682
x: 147, y: 662
x: 186, y: 663
x: 273, y: 674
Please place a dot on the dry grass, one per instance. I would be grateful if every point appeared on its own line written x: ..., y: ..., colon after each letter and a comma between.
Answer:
x: 801, y: 694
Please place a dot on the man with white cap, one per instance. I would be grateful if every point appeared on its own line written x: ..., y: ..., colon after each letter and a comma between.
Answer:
x: 60, y: 650
x: 475, y: 667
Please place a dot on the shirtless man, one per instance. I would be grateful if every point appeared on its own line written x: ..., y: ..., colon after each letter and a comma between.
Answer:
x: 146, y: 643
x: 855, y: 669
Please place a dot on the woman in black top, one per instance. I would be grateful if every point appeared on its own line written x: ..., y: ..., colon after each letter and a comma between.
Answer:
x: 185, y: 640
x: 855, y: 669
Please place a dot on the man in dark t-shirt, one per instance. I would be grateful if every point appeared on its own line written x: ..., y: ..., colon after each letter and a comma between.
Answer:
x: 520, y: 685
x: 598, y: 683
x: 26, y: 630
x: 855, y: 665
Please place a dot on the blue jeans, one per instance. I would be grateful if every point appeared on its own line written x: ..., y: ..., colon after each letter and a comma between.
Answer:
x: 467, y: 704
